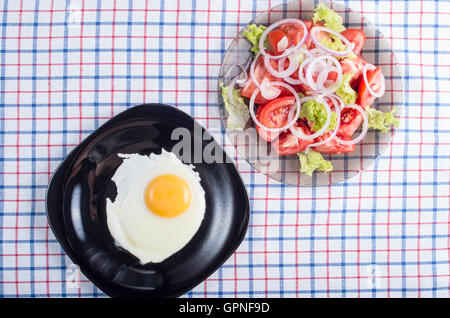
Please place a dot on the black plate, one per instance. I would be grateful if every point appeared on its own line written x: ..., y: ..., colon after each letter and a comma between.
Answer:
x: 76, y: 200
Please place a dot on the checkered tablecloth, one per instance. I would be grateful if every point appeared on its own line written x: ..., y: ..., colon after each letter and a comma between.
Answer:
x: 67, y: 67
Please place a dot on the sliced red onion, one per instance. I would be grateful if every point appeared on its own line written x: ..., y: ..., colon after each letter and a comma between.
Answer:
x: 280, y: 74
x: 289, y: 50
x: 312, y: 69
x: 370, y: 67
x: 322, y: 79
x: 365, y: 126
x: 293, y: 66
x: 316, y: 51
x: 301, y: 77
x: 327, y: 50
x: 291, y: 121
x: 283, y: 44
x: 300, y: 134
x: 268, y: 90
x: 335, y: 99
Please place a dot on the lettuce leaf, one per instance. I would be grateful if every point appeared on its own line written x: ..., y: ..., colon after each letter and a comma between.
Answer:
x: 382, y: 120
x: 253, y: 34
x: 313, y: 160
x: 331, y: 19
x: 238, y: 113
x: 345, y: 91
x: 333, y: 43
x: 315, y: 112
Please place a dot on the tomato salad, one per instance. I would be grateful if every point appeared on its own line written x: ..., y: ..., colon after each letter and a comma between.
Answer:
x: 308, y: 90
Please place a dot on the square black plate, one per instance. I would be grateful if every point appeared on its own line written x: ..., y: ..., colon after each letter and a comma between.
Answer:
x: 76, y: 203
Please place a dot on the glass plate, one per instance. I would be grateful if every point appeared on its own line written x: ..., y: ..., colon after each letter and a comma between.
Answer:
x: 285, y: 169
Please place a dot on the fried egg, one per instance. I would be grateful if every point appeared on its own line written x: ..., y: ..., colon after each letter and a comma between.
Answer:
x: 159, y: 206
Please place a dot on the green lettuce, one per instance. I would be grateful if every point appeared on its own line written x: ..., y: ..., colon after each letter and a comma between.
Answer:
x: 238, y: 113
x: 382, y: 120
x: 313, y: 160
x: 345, y: 91
x: 333, y: 43
x: 315, y: 112
x: 253, y: 34
x: 331, y: 19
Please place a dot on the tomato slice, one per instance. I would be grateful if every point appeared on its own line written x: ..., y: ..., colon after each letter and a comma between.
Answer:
x: 293, y: 31
x: 261, y: 74
x: 274, y: 38
x: 351, y: 119
x: 289, y: 144
x: 356, y: 37
x: 250, y: 86
x: 333, y: 146
x: 353, y: 66
x: 273, y: 115
x: 309, y: 24
x: 374, y: 78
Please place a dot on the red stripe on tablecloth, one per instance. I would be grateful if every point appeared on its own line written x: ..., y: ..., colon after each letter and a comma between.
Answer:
x: 236, y: 160
x: 112, y: 57
x: 176, y: 52
x: 194, y: 63
x: 90, y: 36
x: 388, y: 256
x: 144, y: 97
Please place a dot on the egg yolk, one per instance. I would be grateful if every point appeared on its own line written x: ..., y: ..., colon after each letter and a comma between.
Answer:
x: 168, y: 195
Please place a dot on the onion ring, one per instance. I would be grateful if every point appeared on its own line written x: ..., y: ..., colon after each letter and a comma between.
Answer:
x: 327, y: 50
x: 290, y: 123
x: 369, y: 67
x: 289, y: 50
x: 365, y: 126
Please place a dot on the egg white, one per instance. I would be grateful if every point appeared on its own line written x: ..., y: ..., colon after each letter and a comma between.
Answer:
x: 148, y: 236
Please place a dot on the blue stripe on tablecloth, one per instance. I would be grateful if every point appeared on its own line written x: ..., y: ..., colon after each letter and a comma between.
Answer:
x: 375, y: 168
x: 269, y: 265
x: 444, y: 156
x: 2, y: 137
x: 64, y: 121
x: 65, y: 69
x: 232, y: 24
x: 405, y: 162
x: 430, y: 183
x: 77, y: 131
x: 251, y: 285
x: 198, y: 104
x: 97, y: 66
x: 167, y: 50
x: 269, y: 211
x: 33, y: 142
x: 165, y: 77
